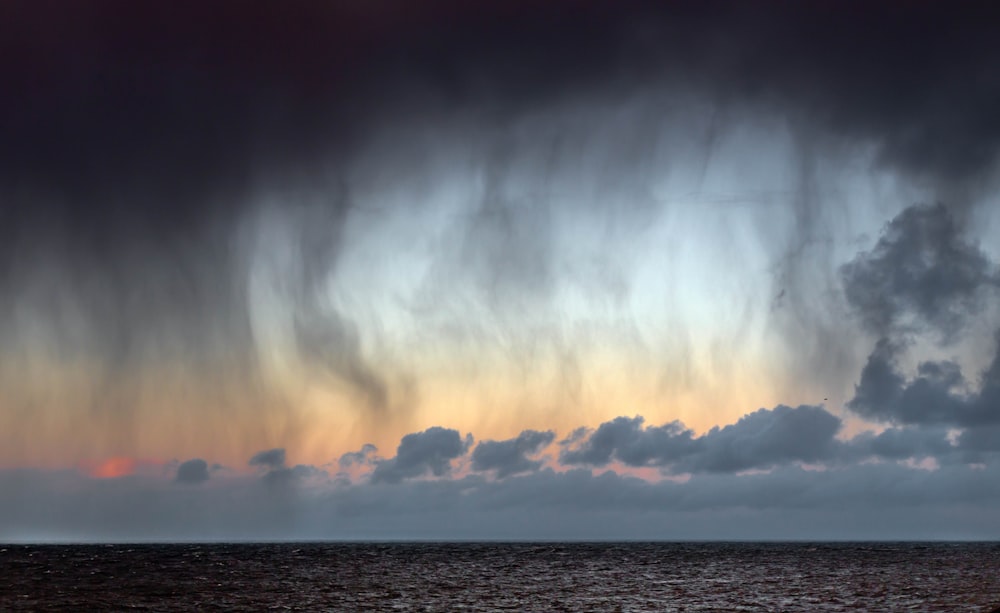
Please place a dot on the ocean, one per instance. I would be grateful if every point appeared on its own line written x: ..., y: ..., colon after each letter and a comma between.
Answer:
x: 502, y: 577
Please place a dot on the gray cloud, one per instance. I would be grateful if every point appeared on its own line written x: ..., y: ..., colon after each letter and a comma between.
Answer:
x: 276, y: 473
x: 67, y: 506
x: 767, y: 438
x: 922, y: 274
x: 286, y: 106
x: 761, y: 440
x: 192, y: 471
x: 430, y: 451
x: 878, y: 501
x: 283, y: 477
x: 937, y: 394
x: 901, y: 444
x: 511, y: 456
x: 626, y: 440
x: 981, y: 439
x: 271, y: 459
x: 864, y: 501
x: 363, y: 457
x: 847, y: 496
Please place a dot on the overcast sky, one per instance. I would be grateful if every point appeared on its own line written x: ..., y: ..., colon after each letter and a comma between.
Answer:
x: 585, y: 270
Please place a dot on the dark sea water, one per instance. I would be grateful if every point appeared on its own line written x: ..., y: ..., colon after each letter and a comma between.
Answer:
x: 496, y: 576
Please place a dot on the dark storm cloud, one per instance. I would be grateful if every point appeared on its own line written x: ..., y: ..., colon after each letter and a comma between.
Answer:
x: 937, y: 395
x: 138, y: 137
x: 169, y: 104
x: 511, y: 456
x: 922, y: 274
x: 916, y: 81
x: 758, y: 440
x: 178, y: 105
x: 138, y: 143
x: 272, y: 459
x: 192, y: 471
x: 430, y: 451
x: 183, y: 106
x: 139, y: 140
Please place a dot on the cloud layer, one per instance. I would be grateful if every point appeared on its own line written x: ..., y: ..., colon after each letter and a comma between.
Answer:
x: 773, y: 463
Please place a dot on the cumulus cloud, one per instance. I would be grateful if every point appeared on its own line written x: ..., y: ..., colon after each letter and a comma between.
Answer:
x: 924, y: 277
x: 430, y: 451
x: 625, y: 439
x: 767, y: 438
x: 270, y: 459
x: 511, y: 456
x: 922, y: 274
x: 762, y: 439
x: 936, y: 395
x: 275, y: 472
x: 780, y: 471
x: 192, y: 471
x: 363, y: 457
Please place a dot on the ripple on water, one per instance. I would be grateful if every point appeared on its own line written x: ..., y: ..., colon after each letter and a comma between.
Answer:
x: 516, y: 577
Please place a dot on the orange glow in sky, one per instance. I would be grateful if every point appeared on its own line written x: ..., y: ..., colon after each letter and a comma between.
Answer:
x: 111, y: 468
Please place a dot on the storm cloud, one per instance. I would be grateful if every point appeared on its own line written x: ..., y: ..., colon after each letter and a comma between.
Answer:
x: 626, y: 440
x: 762, y: 439
x: 142, y: 143
x: 511, y: 456
x: 227, y: 228
x: 937, y: 394
x: 430, y: 451
x: 924, y: 274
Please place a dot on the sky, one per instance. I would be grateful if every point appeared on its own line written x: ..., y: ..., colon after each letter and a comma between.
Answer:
x: 499, y: 270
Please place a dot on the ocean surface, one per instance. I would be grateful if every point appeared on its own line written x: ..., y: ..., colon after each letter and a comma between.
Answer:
x: 503, y: 576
